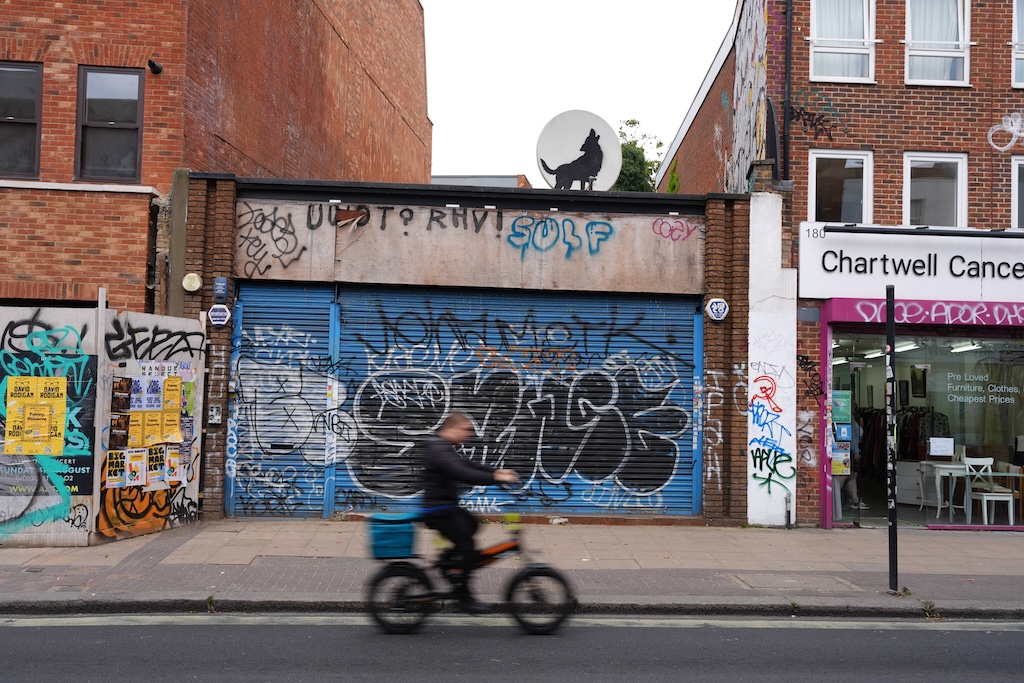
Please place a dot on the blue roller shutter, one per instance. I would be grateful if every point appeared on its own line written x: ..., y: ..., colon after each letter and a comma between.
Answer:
x: 589, y: 396
x: 281, y: 360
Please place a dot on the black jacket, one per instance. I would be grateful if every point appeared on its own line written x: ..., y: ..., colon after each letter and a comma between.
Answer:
x: 444, y: 470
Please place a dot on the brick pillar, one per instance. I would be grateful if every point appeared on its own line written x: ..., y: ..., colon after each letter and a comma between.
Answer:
x: 210, y: 252
x: 727, y: 274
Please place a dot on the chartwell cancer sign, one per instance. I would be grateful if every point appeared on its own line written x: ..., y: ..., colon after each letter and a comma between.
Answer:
x: 919, y: 263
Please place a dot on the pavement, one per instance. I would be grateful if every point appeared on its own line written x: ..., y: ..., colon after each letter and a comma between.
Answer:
x: 315, y: 565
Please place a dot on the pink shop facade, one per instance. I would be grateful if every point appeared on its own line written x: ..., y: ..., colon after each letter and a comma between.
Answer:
x: 958, y: 365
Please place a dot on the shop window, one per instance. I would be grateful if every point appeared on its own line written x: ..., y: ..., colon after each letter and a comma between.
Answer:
x: 938, y: 47
x: 21, y: 104
x: 1018, y: 44
x: 840, y: 187
x: 842, y: 40
x: 109, y: 124
x: 935, y: 189
x: 1017, y: 212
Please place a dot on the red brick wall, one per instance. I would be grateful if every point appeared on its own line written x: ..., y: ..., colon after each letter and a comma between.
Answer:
x: 119, y: 34
x: 289, y: 89
x: 704, y: 152
x: 328, y: 90
x: 727, y: 259
x: 311, y: 90
x: 209, y: 251
x: 890, y: 117
x: 812, y: 378
x: 62, y: 245
x: 65, y: 245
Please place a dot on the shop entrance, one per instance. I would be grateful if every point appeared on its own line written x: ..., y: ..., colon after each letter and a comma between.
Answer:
x: 956, y: 396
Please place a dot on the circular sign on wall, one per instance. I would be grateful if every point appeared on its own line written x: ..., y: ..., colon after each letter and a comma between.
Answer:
x: 191, y: 282
x: 578, y: 150
x: 717, y: 309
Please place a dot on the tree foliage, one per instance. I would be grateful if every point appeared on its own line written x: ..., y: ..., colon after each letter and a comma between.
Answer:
x: 641, y: 156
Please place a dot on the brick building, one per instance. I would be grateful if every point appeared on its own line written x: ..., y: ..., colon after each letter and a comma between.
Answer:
x: 891, y: 129
x: 101, y: 102
x: 568, y: 324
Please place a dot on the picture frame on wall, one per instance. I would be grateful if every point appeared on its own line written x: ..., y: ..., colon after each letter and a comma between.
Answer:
x: 903, y: 390
x: 918, y: 382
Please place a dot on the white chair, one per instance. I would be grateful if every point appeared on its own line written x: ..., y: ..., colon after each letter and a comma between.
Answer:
x: 980, y: 486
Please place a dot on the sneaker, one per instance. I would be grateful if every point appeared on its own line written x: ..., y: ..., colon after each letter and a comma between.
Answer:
x: 860, y: 505
x: 473, y: 606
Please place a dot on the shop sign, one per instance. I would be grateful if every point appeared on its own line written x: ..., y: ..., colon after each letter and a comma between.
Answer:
x: 918, y: 264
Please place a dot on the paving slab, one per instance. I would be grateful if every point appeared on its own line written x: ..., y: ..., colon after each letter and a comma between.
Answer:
x: 319, y: 565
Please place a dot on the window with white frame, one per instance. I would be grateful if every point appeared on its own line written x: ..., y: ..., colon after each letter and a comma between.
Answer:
x: 1018, y: 43
x: 840, y: 186
x: 1017, y: 194
x: 938, y: 42
x: 935, y: 189
x: 842, y: 40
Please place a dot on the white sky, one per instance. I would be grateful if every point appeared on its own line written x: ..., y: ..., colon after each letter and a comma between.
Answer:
x: 499, y: 70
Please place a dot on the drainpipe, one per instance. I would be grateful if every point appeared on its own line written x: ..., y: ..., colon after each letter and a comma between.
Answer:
x: 789, y: 70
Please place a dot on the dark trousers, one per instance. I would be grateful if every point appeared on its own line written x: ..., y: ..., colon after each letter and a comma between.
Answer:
x: 458, y: 526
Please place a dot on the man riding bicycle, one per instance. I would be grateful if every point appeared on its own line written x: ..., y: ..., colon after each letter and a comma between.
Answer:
x: 444, y: 472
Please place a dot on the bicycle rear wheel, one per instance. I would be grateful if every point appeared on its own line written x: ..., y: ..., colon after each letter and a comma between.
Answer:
x: 400, y: 597
x: 539, y: 599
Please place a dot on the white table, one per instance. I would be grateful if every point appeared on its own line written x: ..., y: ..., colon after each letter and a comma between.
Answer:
x: 942, y: 469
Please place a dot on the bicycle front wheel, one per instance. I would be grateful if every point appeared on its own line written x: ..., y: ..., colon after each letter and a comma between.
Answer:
x: 539, y: 599
x: 400, y: 597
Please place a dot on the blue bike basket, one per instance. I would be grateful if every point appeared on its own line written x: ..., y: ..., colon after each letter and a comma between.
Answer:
x: 393, y: 535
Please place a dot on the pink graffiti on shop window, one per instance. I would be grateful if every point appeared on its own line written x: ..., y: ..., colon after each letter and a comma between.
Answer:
x: 766, y: 389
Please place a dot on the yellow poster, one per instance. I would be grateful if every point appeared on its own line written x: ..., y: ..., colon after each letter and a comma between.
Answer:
x: 53, y: 388
x: 22, y: 388
x: 134, y: 429
x: 171, y: 430
x: 37, y: 421
x: 36, y: 415
x: 152, y: 427
x: 172, y: 393
x: 20, y: 392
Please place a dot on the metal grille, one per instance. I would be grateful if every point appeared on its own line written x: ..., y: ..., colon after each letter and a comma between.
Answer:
x: 588, y: 396
x: 281, y: 361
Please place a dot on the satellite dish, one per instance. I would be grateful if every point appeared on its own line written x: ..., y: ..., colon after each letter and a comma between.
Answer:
x: 578, y: 150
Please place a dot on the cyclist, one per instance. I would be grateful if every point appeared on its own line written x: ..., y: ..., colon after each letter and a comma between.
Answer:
x: 444, y: 472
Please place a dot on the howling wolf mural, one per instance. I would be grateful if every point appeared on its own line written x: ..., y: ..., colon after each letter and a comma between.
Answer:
x: 584, y: 168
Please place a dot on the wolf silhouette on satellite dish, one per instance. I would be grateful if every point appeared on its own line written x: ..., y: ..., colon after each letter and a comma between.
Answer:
x: 584, y: 168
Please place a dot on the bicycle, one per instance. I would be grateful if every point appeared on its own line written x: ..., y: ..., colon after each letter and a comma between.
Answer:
x: 401, y: 596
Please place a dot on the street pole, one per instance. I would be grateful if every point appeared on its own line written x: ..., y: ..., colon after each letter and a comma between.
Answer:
x: 890, y: 415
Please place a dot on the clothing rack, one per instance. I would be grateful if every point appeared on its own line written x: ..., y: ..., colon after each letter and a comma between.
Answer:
x: 914, y: 425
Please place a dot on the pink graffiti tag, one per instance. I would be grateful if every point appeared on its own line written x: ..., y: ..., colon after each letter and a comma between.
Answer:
x: 766, y: 387
x: 674, y: 230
